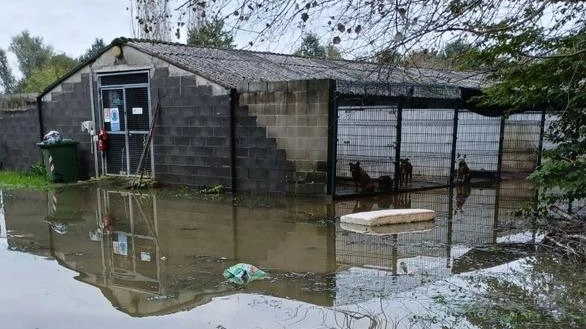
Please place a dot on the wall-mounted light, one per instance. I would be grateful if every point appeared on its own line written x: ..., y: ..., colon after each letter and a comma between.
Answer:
x: 117, y: 51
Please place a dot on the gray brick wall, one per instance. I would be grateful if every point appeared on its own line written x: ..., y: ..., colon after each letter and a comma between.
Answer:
x: 295, y: 114
x: 192, y: 140
x: 65, y: 112
x: 19, y: 132
x: 260, y: 164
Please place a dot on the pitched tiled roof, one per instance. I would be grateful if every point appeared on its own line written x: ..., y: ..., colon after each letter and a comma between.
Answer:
x: 230, y: 67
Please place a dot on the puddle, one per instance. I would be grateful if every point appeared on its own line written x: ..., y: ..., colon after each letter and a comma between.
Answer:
x: 102, y: 256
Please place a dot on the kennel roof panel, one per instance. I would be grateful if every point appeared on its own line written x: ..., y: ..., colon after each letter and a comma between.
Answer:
x: 230, y: 67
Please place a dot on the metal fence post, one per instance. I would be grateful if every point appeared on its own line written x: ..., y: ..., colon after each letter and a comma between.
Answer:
x: 234, y: 105
x: 454, y: 145
x: 541, y: 134
x: 398, y: 142
x: 332, y: 138
x: 501, y: 142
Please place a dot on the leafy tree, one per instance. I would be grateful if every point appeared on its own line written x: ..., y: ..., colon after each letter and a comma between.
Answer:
x: 425, y: 58
x: 311, y: 47
x: 212, y: 35
x: 30, y: 52
x: 7, y: 79
x: 558, y: 83
x: 332, y: 52
x: 460, y: 54
x: 457, y: 55
x: 387, y: 57
x: 93, y: 50
x: 56, y: 67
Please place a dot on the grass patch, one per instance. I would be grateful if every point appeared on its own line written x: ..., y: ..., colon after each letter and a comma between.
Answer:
x: 12, y: 179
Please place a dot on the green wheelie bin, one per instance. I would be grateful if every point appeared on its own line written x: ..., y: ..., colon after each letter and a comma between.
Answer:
x: 61, y: 161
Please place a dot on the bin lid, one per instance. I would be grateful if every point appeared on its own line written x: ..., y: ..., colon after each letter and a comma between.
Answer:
x: 63, y: 142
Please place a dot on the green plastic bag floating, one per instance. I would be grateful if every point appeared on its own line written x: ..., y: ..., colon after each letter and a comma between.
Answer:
x: 243, y: 273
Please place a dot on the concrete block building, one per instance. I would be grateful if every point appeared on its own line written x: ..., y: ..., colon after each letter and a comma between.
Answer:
x: 254, y: 121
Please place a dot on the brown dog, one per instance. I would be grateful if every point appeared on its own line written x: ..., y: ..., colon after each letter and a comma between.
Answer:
x: 385, y: 183
x: 405, y: 171
x: 361, y: 179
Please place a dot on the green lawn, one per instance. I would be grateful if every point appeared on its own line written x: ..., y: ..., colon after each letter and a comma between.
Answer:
x: 23, y: 180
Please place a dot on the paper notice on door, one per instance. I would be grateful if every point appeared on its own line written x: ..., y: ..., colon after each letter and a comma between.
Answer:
x: 114, y: 119
x: 137, y: 110
x: 106, y: 114
x: 145, y: 256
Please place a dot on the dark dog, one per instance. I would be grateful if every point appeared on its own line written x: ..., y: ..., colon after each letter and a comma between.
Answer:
x: 462, y: 194
x: 463, y: 171
x: 361, y: 179
x: 385, y: 183
x: 405, y: 172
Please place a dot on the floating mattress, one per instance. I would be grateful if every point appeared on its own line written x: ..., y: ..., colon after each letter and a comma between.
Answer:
x: 388, y: 216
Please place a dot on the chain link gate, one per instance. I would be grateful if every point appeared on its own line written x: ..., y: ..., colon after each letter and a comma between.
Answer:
x: 125, y: 115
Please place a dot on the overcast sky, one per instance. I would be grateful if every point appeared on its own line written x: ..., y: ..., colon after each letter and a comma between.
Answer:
x: 70, y: 26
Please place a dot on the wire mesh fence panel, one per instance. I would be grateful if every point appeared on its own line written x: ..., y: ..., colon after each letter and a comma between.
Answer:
x: 426, y: 140
x: 549, y: 120
x: 521, y: 142
x: 478, y: 140
x: 136, y: 145
x: 116, y: 155
x: 137, y: 109
x: 368, y: 135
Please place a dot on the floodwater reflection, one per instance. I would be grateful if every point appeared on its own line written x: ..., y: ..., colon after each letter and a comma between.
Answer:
x: 152, y: 254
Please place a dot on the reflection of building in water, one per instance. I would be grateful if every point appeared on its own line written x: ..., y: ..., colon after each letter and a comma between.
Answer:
x: 153, y: 256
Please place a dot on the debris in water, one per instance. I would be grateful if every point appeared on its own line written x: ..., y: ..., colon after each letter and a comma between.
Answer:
x: 217, y: 189
x: 242, y: 273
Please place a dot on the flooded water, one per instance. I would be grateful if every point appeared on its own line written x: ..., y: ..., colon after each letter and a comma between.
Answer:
x: 98, y: 257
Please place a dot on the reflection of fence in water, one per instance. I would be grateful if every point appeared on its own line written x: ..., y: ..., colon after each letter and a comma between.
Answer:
x: 474, y: 221
x: 431, y: 199
x: 360, y: 250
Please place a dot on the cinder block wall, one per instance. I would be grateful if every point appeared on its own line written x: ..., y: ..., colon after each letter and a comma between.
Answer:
x: 64, y: 112
x: 192, y: 141
x: 295, y: 114
x: 191, y: 144
x: 19, y: 133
